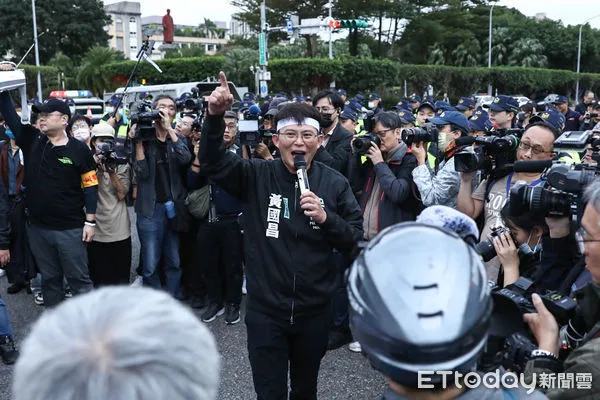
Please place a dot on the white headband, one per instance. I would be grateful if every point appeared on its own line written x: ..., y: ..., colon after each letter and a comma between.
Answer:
x: 291, y: 121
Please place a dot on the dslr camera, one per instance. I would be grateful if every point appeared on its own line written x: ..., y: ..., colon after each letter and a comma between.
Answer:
x: 492, y: 153
x: 195, y: 104
x: 361, y: 144
x: 142, y: 114
x: 111, y: 155
x: 510, y: 342
x: 426, y: 133
x: 485, y: 248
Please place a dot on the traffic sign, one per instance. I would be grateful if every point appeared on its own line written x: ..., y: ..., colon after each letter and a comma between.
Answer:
x: 264, y: 89
x: 289, y: 26
x: 262, y: 51
x: 264, y: 75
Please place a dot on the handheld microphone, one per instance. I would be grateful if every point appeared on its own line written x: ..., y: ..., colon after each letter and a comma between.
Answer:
x: 532, y: 166
x: 300, y: 167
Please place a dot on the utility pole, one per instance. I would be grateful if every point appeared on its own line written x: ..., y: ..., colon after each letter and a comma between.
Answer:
x: 490, y: 50
x: 37, y: 53
x: 330, y: 6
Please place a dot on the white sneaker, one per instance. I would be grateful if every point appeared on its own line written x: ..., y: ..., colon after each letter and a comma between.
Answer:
x: 137, y: 282
x: 2, y: 272
x: 355, y: 347
x: 39, y: 299
x: 244, y: 291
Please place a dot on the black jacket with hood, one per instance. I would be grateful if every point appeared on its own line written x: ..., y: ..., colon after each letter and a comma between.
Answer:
x: 287, y: 256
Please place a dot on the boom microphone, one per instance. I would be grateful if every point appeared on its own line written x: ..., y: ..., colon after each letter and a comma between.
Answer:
x: 465, y: 141
x: 532, y: 166
x: 300, y: 167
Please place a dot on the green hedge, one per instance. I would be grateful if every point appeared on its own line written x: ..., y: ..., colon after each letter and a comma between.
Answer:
x: 385, y: 77
x: 174, y: 70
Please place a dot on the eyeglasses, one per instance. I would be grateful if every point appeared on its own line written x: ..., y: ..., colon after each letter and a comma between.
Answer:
x: 382, y: 133
x: 325, y: 109
x: 292, y: 136
x: 82, y: 126
x: 537, y: 150
x: 231, y: 126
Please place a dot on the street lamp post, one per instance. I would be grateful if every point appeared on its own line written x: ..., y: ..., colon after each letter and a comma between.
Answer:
x: 37, y: 53
x: 330, y: 33
x: 579, y: 57
x: 490, y: 49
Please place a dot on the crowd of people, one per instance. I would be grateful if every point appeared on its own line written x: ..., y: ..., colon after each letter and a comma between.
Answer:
x: 325, y: 185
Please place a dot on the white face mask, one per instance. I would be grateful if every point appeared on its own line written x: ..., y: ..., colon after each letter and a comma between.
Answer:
x: 442, y: 141
x: 372, y: 104
x: 82, y: 135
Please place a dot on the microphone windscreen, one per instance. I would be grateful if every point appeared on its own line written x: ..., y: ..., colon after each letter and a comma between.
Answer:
x: 532, y: 166
x: 299, y: 161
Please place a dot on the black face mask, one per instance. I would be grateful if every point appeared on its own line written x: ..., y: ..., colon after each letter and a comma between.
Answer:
x: 326, y: 120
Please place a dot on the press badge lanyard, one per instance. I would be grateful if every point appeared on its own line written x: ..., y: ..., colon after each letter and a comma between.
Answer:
x: 508, y: 182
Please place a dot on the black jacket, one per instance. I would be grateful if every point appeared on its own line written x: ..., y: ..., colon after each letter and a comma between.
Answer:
x: 337, y: 152
x: 398, y: 202
x: 286, y: 255
x: 4, y: 218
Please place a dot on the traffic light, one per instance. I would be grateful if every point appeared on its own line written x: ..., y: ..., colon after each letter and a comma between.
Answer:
x: 348, y: 23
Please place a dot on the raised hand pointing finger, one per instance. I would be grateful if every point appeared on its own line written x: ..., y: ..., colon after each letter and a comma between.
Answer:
x: 221, y: 99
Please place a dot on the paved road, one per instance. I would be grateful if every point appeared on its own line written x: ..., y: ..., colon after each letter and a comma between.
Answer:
x: 344, y: 375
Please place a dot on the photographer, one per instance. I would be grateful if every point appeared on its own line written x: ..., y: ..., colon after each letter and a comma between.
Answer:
x: 490, y: 196
x: 440, y: 185
x: 520, y: 251
x: 387, y: 195
x: 591, y: 119
x: 289, y: 238
x: 412, y: 306
x: 335, y: 150
x: 160, y: 192
x: 584, y: 358
x: 109, y: 255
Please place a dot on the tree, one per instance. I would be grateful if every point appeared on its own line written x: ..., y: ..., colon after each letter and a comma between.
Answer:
x: 90, y: 74
x: 237, y: 66
x: 528, y: 52
x: 467, y: 54
x: 437, y: 55
x: 500, y: 46
x: 63, y: 25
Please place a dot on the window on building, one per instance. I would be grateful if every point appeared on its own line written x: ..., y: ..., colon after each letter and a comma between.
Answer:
x: 132, y: 26
x: 119, y: 24
x: 120, y: 43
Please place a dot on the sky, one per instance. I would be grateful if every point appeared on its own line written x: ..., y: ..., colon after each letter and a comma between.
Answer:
x: 571, y: 12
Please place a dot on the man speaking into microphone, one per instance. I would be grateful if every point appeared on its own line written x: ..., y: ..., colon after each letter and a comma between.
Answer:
x: 290, y: 232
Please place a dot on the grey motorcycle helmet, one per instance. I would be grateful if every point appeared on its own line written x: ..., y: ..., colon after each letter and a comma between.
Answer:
x: 419, y: 301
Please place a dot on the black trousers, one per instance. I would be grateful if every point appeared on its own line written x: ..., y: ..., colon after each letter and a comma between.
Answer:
x: 273, y: 342
x: 192, y: 280
x: 110, y: 263
x: 220, y: 260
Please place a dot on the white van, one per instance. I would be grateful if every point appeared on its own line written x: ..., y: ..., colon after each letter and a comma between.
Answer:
x: 175, y: 90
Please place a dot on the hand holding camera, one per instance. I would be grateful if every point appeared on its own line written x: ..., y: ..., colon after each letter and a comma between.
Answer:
x: 419, y: 150
x: 543, y: 325
x: 507, y: 251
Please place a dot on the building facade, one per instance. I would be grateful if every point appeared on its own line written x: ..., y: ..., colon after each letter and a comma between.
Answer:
x: 126, y: 27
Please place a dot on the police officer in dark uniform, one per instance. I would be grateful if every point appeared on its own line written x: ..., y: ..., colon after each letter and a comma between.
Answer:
x: 562, y: 104
x: 466, y: 105
x: 375, y: 103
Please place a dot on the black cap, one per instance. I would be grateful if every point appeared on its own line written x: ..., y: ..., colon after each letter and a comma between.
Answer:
x: 52, y: 105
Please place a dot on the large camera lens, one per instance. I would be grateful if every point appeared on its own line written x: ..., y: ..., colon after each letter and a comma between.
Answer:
x: 525, y: 198
x: 415, y: 135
